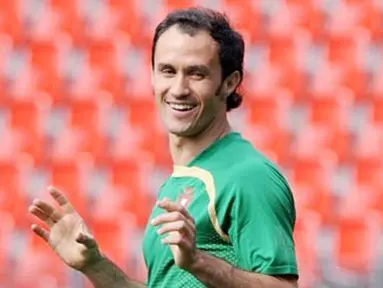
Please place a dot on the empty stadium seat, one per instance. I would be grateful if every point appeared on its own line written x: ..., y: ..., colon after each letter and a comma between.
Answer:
x: 355, y: 242
x: 69, y: 177
x: 306, y: 233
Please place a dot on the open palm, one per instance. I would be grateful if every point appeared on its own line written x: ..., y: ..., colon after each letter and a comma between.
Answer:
x: 68, y: 235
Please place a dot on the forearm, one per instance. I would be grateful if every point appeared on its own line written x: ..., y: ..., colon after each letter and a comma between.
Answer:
x: 214, y: 273
x: 105, y: 274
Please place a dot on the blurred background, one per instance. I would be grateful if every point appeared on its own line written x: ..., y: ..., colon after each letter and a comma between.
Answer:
x: 77, y: 111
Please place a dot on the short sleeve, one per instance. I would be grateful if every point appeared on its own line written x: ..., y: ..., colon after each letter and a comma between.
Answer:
x: 262, y: 221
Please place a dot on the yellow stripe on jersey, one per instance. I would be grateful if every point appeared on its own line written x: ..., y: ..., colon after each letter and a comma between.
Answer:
x: 207, y: 178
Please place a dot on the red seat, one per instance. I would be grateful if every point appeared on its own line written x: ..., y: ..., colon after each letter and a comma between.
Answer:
x: 27, y: 119
x: 11, y: 20
x: 70, y: 176
x: 45, y: 63
x: 13, y: 199
x: 6, y: 229
x: 319, y: 139
x: 356, y: 240
x: 270, y: 110
x: 273, y: 142
x: 368, y: 171
x: 129, y: 21
x: 306, y: 233
x: 330, y: 110
x: 69, y: 20
x: 377, y: 111
x: 311, y: 171
x: 246, y: 18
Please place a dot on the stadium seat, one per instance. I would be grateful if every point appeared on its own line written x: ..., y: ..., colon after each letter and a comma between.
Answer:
x: 306, y: 233
x: 312, y: 171
x: 308, y: 16
x: 247, y: 18
x: 70, y: 177
x: 69, y: 20
x: 356, y: 238
x: 315, y: 199
x: 13, y: 199
x: 11, y: 21
x: 377, y: 111
x: 275, y: 143
x: 368, y: 171
x: 6, y: 229
x: 330, y: 111
x: 129, y: 21
x: 333, y: 143
x: 269, y: 110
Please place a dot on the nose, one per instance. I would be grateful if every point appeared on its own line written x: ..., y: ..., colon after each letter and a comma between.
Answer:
x: 180, y: 87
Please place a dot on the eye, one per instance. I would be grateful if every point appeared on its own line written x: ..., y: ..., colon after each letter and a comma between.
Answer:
x: 168, y: 71
x: 197, y: 74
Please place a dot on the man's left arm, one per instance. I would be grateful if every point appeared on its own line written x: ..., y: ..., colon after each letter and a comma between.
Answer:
x: 214, y: 272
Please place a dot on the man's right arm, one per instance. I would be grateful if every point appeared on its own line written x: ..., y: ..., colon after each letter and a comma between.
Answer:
x: 104, y: 273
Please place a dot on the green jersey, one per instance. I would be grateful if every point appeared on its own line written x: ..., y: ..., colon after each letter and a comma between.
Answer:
x: 243, y: 209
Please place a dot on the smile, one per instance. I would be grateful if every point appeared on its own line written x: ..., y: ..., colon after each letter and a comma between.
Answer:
x: 182, y: 107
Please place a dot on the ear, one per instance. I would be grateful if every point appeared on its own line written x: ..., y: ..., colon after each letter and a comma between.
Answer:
x: 230, y: 84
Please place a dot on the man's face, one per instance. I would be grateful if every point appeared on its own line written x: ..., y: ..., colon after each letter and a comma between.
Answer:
x: 187, y: 81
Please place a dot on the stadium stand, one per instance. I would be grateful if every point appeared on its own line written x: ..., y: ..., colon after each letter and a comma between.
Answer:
x: 76, y: 111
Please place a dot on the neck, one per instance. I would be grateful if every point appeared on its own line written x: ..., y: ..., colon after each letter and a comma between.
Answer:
x: 185, y: 149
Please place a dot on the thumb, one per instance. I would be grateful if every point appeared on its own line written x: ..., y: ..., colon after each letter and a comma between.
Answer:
x: 86, y: 240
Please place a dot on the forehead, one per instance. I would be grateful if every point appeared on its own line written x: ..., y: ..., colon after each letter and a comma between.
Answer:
x: 179, y: 48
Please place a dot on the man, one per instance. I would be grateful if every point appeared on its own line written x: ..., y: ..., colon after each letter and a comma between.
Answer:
x: 225, y: 216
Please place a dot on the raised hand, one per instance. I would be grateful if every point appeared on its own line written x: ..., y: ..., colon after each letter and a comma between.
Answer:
x: 68, y: 235
x: 180, y: 227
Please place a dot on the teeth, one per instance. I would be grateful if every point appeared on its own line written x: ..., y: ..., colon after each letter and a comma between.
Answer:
x: 181, y: 107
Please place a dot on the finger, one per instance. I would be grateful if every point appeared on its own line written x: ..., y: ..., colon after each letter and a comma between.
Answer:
x: 86, y: 240
x: 178, y: 226
x: 42, y: 233
x: 175, y: 239
x: 61, y: 199
x: 171, y: 206
x: 48, y: 209
x: 41, y: 215
x: 170, y: 217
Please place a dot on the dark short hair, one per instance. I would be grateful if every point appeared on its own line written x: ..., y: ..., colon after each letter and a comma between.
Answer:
x: 231, y: 43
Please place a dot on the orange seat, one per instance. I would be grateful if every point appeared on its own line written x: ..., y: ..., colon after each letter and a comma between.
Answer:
x: 178, y: 4
x: 273, y: 142
x: 11, y: 21
x: 69, y: 177
x: 69, y: 20
x: 270, y: 111
x: 330, y: 110
x: 319, y: 139
x: 315, y: 199
x: 311, y: 171
x: 6, y: 229
x: 368, y: 171
x: 45, y: 58
x: 129, y: 21
x: 357, y: 237
x: 112, y: 239
x: 246, y: 18
x: 13, y: 199
x: 377, y: 111
x: 305, y: 236
x: 128, y: 178
x: 27, y: 119
x: 309, y: 17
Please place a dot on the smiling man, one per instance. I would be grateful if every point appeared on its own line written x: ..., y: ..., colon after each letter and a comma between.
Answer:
x: 225, y: 217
